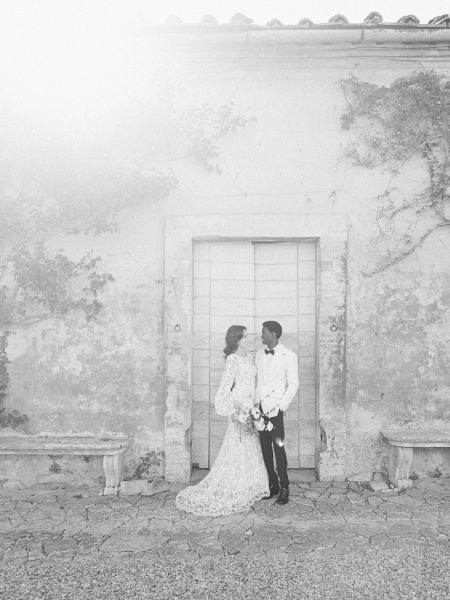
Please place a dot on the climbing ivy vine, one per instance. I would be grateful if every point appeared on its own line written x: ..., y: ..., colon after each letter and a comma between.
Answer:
x: 7, y: 418
x: 405, y: 125
x: 56, y: 182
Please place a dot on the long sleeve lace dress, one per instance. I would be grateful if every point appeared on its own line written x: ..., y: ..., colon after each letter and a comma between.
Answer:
x: 238, y: 476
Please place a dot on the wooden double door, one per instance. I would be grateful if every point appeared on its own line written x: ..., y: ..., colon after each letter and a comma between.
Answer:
x: 248, y: 282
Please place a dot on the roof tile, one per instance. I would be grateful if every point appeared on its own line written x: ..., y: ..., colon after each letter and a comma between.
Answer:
x: 373, y: 18
x: 338, y: 19
x: 409, y: 20
x: 305, y: 22
x: 209, y: 20
x: 441, y: 20
x: 240, y: 19
x: 274, y: 23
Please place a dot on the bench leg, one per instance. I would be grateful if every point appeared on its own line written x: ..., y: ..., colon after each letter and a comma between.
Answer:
x: 400, y: 462
x: 112, y: 466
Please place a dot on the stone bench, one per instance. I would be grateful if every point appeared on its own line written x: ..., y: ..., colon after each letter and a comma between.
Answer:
x: 402, y: 442
x: 111, y: 448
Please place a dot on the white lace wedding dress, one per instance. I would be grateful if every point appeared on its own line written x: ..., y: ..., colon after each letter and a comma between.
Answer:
x: 238, y: 476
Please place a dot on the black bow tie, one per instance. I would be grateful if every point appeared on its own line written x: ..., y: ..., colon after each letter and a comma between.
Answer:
x: 269, y: 352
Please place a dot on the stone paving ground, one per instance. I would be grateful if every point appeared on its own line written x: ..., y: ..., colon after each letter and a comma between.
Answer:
x: 52, y: 526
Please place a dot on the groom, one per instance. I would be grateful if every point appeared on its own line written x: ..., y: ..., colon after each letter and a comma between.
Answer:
x: 277, y: 384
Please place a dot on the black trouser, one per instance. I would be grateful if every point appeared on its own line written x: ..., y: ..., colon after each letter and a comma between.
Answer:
x: 269, y: 445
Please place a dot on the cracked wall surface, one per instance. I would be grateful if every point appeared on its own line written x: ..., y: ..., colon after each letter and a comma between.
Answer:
x: 390, y: 347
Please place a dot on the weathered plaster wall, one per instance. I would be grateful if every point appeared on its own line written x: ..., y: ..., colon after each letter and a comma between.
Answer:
x: 292, y: 157
x: 107, y: 376
x: 104, y: 376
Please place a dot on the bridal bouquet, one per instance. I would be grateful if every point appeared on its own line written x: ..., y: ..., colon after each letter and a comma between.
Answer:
x: 243, y: 417
x: 260, y: 420
x: 252, y: 420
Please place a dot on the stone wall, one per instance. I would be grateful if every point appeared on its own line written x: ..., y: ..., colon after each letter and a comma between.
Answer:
x: 290, y: 159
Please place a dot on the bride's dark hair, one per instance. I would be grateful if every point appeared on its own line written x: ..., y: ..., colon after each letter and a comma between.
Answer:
x: 233, y: 336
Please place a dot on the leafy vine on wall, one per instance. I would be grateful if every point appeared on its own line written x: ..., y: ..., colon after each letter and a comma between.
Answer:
x: 11, y: 418
x: 81, y: 187
x: 396, y: 127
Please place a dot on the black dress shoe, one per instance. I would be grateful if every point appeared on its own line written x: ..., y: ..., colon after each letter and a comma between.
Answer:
x: 273, y: 491
x: 283, y: 498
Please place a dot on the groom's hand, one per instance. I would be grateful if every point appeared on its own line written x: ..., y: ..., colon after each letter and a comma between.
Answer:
x: 273, y: 411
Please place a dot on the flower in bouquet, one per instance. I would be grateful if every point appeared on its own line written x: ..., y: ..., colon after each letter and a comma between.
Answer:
x: 261, y: 421
x: 242, y: 416
x: 259, y: 424
x: 255, y: 413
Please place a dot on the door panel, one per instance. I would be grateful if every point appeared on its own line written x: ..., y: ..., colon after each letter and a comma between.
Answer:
x: 276, y: 271
x: 247, y: 283
x: 226, y: 288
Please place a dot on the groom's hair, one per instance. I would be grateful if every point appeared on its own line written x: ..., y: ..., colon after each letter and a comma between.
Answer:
x: 273, y: 327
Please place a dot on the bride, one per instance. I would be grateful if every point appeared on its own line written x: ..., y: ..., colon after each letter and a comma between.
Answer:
x: 238, y: 476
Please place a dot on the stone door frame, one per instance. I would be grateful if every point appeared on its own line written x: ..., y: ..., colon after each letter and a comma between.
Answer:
x: 330, y: 231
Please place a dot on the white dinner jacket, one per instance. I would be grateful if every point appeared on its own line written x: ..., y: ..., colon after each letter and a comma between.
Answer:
x: 277, y: 379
